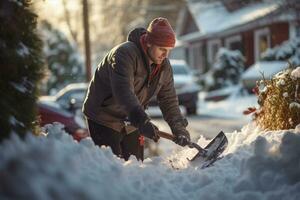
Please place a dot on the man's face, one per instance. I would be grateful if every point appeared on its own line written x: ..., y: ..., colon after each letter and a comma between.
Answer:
x: 157, y: 54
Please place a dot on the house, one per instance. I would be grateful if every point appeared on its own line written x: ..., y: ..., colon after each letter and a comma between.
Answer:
x: 250, y: 26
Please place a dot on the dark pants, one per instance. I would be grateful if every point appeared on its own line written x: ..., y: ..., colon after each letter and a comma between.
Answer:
x: 122, y: 144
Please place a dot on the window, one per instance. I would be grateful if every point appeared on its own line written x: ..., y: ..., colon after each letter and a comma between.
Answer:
x: 261, y: 42
x: 297, y: 31
x: 294, y: 29
x: 234, y: 43
x: 213, y: 47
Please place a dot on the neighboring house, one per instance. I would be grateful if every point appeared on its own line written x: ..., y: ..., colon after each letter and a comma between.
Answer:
x: 250, y: 26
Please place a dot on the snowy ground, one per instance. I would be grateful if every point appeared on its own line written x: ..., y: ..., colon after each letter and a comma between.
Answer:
x: 256, y: 165
x: 232, y: 107
x: 226, y: 115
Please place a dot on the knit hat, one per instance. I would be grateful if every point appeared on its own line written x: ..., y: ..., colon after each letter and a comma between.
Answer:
x: 160, y: 33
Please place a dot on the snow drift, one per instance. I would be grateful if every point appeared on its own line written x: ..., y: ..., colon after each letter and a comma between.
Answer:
x: 256, y: 165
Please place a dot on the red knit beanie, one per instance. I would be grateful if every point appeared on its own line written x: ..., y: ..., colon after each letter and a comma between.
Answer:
x: 160, y: 33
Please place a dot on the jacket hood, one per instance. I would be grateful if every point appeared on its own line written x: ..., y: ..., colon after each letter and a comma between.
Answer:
x: 135, y: 34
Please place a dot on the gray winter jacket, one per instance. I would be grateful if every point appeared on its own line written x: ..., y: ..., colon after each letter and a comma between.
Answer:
x: 121, y: 84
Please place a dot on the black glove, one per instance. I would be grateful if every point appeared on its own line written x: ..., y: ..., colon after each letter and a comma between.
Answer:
x: 149, y: 130
x: 182, y: 136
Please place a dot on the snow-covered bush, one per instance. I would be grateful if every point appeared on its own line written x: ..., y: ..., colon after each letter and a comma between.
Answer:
x: 64, y: 62
x: 21, y: 67
x: 279, y: 101
x: 226, y: 71
x: 288, y: 50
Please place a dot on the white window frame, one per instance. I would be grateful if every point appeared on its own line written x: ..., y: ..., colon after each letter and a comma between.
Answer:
x: 210, y: 44
x: 257, y: 34
x: 191, y: 54
x: 199, y: 59
x: 195, y: 55
x: 292, y: 29
x: 232, y: 39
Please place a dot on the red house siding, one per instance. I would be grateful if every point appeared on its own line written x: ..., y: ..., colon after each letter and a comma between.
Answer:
x: 248, y: 43
x: 279, y: 33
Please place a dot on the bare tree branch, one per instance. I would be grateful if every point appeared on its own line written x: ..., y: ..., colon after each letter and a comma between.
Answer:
x: 68, y: 21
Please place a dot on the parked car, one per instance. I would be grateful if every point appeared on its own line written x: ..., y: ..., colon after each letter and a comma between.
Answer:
x: 69, y: 98
x: 186, y: 87
x: 51, y: 111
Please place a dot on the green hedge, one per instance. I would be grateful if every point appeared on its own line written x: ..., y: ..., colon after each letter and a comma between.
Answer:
x: 21, y: 67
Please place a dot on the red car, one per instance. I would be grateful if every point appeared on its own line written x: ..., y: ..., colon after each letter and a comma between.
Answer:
x: 50, y: 112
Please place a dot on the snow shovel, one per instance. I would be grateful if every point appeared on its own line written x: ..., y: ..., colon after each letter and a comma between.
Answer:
x: 210, y: 153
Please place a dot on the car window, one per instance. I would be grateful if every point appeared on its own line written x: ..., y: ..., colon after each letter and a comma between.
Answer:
x: 77, y: 94
x: 180, y: 70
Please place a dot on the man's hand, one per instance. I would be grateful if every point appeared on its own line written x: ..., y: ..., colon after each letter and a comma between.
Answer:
x: 149, y: 130
x: 182, y: 137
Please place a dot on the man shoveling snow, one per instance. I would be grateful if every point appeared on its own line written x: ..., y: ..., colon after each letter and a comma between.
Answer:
x: 127, y: 78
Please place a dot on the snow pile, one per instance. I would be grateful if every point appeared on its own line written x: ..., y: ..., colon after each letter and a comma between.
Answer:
x: 256, y: 165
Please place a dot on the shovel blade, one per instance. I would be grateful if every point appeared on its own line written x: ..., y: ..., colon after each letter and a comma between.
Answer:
x: 213, y: 150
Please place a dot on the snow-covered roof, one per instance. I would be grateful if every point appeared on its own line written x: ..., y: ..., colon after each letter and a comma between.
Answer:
x: 214, y: 17
x: 267, y: 68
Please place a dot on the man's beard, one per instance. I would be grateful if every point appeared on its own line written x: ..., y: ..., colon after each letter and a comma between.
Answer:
x: 153, y: 59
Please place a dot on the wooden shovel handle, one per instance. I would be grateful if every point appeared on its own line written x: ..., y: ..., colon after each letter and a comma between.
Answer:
x: 191, y: 144
x: 166, y: 135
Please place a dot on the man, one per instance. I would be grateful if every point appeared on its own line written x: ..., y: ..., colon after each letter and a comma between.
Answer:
x: 122, y: 86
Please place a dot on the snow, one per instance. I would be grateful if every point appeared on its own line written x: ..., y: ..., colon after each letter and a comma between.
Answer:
x: 22, y: 50
x: 24, y: 87
x: 266, y: 68
x: 288, y: 50
x: 296, y: 73
x: 256, y: 165
x: 294, y: 104
x: 213, y: 17
x: 232, y: 107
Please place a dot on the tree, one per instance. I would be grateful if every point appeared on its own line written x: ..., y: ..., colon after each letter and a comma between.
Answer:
x: 121, y: 16
x: 161, y: 8
x: 21, y: 67
x: 64, y: 62
x: 226, y: 71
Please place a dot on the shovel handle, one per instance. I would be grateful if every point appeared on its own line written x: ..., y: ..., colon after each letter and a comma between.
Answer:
x: 166, y: 135
x: 172, y: 137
